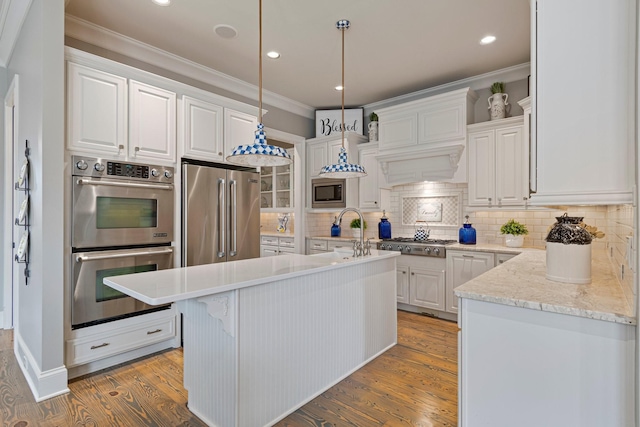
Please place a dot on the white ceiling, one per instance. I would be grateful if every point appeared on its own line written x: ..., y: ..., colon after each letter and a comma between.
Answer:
x: 392, y: 47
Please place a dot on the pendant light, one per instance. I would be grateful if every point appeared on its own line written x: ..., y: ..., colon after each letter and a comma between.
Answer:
x: 259, y: 153
x: 343, y: 169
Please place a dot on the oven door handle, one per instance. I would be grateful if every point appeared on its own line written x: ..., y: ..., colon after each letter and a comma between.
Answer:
x: 97, y: 257
x: 221, y: 217
x: 233, y: 249
x: 84, y: 181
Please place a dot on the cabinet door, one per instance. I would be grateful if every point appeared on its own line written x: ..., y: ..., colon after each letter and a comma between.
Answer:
x: 584, y: 154
x: 203, y: 136
x: 511, y: 169
x: 368, y: 185
x: 482, y: 168
x: 97, y: 110
x: 462, y: 267
x: 317, y: 159
x: 427, y: 288
x: 239, y: 129
x: 152, y: 122
x: 502, y: 258
x: 402, y: 283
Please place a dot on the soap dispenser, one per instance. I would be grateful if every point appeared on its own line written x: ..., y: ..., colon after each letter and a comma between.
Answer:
x: 467, y: 234
x: 335, y: 228
x: 384, y: 227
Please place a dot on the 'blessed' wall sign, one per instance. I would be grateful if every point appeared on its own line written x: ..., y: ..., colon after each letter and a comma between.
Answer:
x: 328, y: 122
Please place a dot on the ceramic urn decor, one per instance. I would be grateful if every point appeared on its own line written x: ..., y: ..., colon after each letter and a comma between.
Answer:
x: 569, y: 251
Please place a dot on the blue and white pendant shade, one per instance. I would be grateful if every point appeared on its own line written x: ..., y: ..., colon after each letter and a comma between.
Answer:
x: 260, y: 153
x: 343, y: 169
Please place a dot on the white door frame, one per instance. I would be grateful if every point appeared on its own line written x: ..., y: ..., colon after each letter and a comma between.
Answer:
x: 10, y: 142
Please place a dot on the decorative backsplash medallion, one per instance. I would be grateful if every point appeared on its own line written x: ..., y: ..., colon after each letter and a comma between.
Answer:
x: 438, y: 211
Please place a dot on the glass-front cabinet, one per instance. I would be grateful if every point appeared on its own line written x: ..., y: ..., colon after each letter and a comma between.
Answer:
x: 276, y: 188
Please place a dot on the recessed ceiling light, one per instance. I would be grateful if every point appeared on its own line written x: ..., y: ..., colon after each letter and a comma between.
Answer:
x: 225, y: 31
x: 339, y: 87
x: 273, y: 54
x: 487, y: 40
x: 162, y: 2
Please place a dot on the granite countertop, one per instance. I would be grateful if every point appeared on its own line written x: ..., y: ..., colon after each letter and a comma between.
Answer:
x: 521, y: 282
x: 177, y: 284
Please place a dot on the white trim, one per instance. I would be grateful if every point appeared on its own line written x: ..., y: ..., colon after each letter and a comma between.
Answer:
x: 482, y: 81
x: 12, y: 16
x: 11, y: 100
x: 99, y: 36
x: 43, y: 384
x: 299, y: 190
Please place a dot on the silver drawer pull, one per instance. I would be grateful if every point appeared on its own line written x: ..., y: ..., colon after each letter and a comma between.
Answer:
x: 154, y: 332
x: 467, y: 256
x: 104, y: 344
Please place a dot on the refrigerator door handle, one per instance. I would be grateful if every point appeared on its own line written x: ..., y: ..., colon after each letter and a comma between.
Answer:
x: 221, y: 217
x: 233, y: 250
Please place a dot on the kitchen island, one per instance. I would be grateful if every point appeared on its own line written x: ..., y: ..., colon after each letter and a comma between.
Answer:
x: 264, y: 336
x: 534, y: 352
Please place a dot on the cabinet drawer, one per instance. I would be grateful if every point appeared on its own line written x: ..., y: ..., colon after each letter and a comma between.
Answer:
x: 341, y: 244
x: 287, y: 242
x: 269, y: 240
x: 98, y: 346
x: 317, y: 245
x: 284, y: 251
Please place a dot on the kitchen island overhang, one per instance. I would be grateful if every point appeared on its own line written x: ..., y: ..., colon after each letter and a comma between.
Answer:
x: 264, y: 336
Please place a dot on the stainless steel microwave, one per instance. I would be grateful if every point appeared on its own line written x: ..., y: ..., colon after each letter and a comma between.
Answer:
x: 328, y: 193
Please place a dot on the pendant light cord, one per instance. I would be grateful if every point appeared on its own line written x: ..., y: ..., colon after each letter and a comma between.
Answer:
x: 260, y: 67
x: 343, y: 30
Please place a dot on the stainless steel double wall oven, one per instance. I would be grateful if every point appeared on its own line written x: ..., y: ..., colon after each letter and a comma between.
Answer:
x: 122, y: 223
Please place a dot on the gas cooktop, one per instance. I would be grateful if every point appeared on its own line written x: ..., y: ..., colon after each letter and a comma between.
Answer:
x: 409, y: 246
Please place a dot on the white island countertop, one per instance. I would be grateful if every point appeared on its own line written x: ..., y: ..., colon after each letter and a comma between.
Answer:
x: 166, y: 286
x: 522, y: 282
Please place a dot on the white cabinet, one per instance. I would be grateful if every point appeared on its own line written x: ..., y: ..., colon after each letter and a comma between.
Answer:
x: 239, y: 129
x: 96, y: 110
x: 463, y: 266
x: 371, y: 194
x: 276, y: 188
x: 103, y: 118
x: 502, y: 258
x: 585, y: 153
x: 202, y: 129
x: 323, y: 151
x: 425, y: 279
x: 276, y: 245
x: 152, y: 122
x: 498, y: 163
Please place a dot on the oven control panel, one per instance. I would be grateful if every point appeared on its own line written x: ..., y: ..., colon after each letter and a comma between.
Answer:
x: 97, y: 167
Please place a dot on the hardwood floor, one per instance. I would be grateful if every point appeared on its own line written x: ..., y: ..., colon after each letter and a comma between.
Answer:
x: 412, y: 384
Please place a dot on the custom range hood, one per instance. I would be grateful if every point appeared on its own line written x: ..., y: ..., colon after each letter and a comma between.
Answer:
x: 435, y: 164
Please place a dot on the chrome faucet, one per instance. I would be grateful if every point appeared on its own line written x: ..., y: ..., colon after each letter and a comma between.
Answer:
x: 360, y: 248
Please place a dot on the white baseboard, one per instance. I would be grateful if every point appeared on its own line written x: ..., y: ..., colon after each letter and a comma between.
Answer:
x: 43, y: 385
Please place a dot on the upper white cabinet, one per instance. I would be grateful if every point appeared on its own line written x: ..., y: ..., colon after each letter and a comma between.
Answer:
x: 323, y: 151
x: 239, y: 129
x: 276, y: 187
x: 583, y: 114
x: 103, y: 118
x: 202, y: 129
x: 97, y: 110
x: 498, y: 163
x: 371, y: 194
x: 152, y: 122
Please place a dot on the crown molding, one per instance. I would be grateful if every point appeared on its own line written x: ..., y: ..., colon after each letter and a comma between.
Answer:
x: 12, y: 16
x: 99, y: 36
x: 482, y: 81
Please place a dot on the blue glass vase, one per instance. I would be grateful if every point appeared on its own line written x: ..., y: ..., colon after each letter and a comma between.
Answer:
x: 467, y: 234
x: 335, y: 229
x: 384, y: 227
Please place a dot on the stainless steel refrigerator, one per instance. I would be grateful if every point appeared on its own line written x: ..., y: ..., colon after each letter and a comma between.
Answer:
x: 220, y: 213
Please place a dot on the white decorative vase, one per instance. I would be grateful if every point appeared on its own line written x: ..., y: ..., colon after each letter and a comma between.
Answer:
x: 356, y: 232
x: 569, y: 263
x: 373, y: 131
x: 498, y: 105
x: 512, y: 241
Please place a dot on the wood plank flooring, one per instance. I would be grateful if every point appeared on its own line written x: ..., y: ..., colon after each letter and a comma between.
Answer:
x: 412, y: 384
